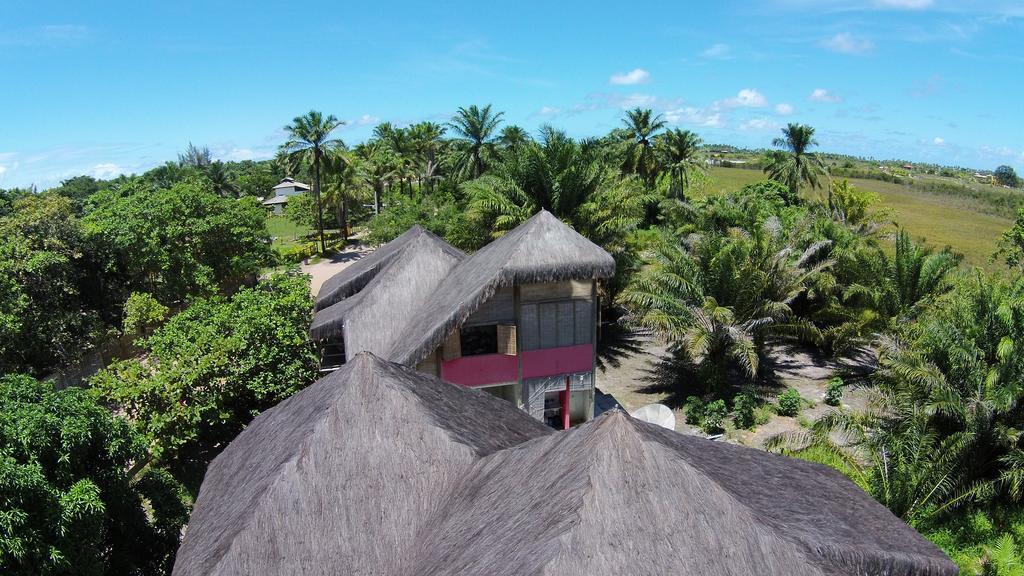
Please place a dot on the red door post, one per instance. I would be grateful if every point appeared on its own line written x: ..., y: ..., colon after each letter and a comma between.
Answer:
x: 565, y: 404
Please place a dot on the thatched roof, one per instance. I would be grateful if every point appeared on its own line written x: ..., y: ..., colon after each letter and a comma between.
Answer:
x: 338, y: 478
x: 542, y: 249
x: 353, y: 278
x: 378, y: 469
x: 369, y: 319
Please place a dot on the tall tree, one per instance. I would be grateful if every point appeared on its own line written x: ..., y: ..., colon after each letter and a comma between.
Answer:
x: 309, y: 139
x: 513, y: 137
x: 680, y: 155
x: 376, y: 166
x: 195, y: 156
x: 642, y: 124
x: 794, y: 165
x: 475, y: 128
x: 221, y: 180
x: 426, y: 143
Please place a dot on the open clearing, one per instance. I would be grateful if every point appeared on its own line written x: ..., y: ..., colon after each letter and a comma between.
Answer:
x: 941, y: 220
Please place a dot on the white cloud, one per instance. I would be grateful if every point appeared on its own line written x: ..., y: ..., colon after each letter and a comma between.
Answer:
x: 746, y: 98
x: 635, y: 76
x: 823, y: 95
x: 691, y: 115
x: 846, y: 43
x: 938, y: 141
x: 637, y: 101
x: 548, y: 110
x: 718, y: 52
x: 758, y: 124
x: 783, y: 109
x: 366, y: 120
x: 904, y: 4
x: 2, y: 170
x: 107, y: 170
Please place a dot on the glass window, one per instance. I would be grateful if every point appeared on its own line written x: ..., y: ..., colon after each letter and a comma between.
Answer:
x: 477, y: 340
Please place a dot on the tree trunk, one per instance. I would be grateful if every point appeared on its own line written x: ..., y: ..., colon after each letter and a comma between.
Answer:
x: 343, y: 219
x: 319, y: 206
x: 376, y: 197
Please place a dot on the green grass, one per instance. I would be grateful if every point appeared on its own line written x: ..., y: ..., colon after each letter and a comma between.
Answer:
x: 940, y: 219
x: 284, y: 232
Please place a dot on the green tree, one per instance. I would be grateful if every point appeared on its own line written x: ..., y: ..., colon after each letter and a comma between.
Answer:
x: 45, y: 318
x: 642, y: 125
x: 681, y: 156
x: 309, y: 141
x: 212, y: 368
x: 73, y: 498
x: 221, y: 180
x: 1006, y: 176
x: 513, y: 137
x: 176, y: 242
x: 195, y: 156
x: 474, y: 128
x: 794, y: 165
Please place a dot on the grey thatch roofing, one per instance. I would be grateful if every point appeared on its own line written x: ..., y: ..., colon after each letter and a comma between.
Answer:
x: 369, y: 319
x: 355, y: 277
x: 337, y: 479
x: 542, y: 249
x: 378, y: 469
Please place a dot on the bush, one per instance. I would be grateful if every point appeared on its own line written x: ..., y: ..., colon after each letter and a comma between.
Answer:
x: 743, y: 410
x: 714, y: 416
x: 834, y: 392
x: 694, y: 409
x: 142, y: 312
x: 790, y: 403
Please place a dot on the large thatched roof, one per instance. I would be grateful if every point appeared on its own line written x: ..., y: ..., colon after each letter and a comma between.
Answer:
x: 542, y: 249
x: 370, y: 319
x: 378, y: 469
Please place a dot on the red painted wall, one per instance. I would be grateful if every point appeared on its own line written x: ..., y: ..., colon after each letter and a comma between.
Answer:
x: 494, y: 368
x: 551, y: 361
x: 480, y: 370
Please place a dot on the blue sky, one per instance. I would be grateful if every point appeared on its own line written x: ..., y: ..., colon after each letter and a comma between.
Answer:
x: 108, y: 87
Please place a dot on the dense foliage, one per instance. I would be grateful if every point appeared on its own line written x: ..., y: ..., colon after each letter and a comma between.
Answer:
x: 212, y: 368
x: 73, y: 496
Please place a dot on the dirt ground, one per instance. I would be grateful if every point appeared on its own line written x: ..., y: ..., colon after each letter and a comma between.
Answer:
x: 328, y: 266
x: 632, y: 384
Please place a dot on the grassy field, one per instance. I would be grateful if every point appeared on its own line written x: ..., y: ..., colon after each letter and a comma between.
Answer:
x: 942, y: 220
x: 284, y: 232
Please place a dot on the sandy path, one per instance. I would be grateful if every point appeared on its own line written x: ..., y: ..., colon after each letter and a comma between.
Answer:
x: 331, y: 265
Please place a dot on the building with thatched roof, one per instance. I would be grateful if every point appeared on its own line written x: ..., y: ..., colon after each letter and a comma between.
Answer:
x: 381, y: 469
x: 517, y: 318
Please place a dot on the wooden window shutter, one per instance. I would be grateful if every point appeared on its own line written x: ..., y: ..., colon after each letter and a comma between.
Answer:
x: 452, y: 346
x: 507, y: 339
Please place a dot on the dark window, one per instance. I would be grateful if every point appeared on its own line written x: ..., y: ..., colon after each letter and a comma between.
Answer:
x: 476, y: 340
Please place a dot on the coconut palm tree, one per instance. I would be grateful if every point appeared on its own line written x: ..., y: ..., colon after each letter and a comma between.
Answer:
x: 426, y: 144
x: 376, y: 167
x: 475, y: 128
x: 309, y: 141
x: 681, y: 157
x: 342, y: 185
x: 641, y: 160
x: 513, y: 137
x: 794, y: 165
x: 221, y: 180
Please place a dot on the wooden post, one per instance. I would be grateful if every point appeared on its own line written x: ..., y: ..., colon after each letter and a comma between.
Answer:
x: 565, y: 403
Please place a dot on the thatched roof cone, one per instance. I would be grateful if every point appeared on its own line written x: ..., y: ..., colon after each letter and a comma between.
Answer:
x: 353, y: 278
x: 336, y: 479
x: 542, y: 249
x: 621, y: 496
x: 371, y: 319
x: 378, y: 469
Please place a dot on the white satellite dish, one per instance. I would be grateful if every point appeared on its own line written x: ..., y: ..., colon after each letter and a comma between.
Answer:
x: 656, y: 414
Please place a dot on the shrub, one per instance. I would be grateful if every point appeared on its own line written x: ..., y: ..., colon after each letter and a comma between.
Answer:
x: 834, y: 392
x: 694, y: 409
x: 743, y: 410
x: 790, y: 403
x: 714, y: 415
x: 142, y: 312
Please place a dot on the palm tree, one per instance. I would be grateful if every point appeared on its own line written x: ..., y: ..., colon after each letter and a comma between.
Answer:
x: 642, y: 125
x: 376, y: 168
x: 426, y: 145
x: 680, y: 155
x: 342, y: 184
x: 220, y: 180
x: 794, y: 165
x: 309, y: 141
x: 513, y: 137
x: 475, y: 127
